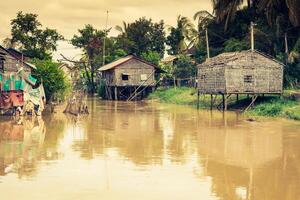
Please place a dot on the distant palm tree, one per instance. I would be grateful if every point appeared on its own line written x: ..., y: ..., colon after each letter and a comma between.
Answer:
x: 122, y: 30
x: 203, y: 18
x: 187, y: 30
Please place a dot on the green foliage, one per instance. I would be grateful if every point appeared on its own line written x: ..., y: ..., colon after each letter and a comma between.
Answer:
x: 185, y: 67
x: 180, y: 96
x: 277, y: 108
x: 53, y: 78
x: 101, y: 88
x: 168, y: 69
x: 180, y: 35
x: 32, y: 40
x: 233, y: 44
x: 90, y: 40
x: 175, y: 41
x: 152, y: 57
x: 143, y: 36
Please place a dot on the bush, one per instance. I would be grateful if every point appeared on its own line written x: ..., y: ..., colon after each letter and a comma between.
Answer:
x: 101, y: 88
x: 52, y: 77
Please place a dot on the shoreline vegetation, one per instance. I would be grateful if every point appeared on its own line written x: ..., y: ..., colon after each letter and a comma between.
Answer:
x: 268, y: 106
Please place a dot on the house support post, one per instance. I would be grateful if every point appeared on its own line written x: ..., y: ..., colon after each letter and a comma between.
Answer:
x: 226, y: 98
x: 237, y: 97
x: 198, y: 99
x: 116, y: 93
x: 211, y: 102
x: 224, y: 102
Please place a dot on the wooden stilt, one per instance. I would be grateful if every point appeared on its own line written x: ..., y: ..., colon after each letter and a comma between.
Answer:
x: 198, y: 99
x: 237, y: 97
x: 116, y: 93
x: 223, y: 101
x: 211, y: 102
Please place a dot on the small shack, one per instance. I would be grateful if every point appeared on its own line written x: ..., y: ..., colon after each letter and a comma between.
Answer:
x: 17, y: 84
x: 247, y: 72
x: 129, y: 78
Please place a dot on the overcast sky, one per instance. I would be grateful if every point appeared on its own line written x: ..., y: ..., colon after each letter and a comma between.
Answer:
x: 68, y: 15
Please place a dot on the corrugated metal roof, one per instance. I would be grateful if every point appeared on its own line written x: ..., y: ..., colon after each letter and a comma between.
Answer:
x: 124, y: 60
x: 116, y: 63
x: 169, y: 59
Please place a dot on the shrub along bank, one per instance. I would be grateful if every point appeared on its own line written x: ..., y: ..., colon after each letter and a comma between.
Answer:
x: 269, y: 106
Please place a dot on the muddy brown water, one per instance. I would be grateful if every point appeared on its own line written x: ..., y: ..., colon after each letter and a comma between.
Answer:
x: 149, y: 151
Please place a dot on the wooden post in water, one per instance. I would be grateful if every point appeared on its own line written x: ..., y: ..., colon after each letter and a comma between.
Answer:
x: 198, y: 99
x: 116, y: 93
x: 223, y: 101
x: 211, y: 102
x: 237, y: 97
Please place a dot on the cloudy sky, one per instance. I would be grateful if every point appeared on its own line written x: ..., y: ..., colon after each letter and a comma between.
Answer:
x: 68, y: 15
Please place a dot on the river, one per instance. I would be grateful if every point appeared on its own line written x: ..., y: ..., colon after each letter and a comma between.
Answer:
x: 148, y: 151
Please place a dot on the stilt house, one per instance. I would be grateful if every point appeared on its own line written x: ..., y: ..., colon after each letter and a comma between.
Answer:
x: 129, y: 78
x: 246, y: 72
x: 16, y: 82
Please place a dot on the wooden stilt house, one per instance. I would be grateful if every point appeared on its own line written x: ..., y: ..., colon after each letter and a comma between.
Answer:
x: 247, y: 72
x: 16, y: 82
x: 129, y: 78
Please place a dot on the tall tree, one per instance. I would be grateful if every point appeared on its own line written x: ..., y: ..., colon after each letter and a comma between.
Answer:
x: 180, y: 36
x: 90, y: 40
x: 31, y: 39
x: 142, y: 36
x: 225, y: 10
x: 273, y: 9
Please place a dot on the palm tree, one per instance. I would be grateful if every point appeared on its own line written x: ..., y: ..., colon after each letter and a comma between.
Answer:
x: 186, y: 29
x: 203, y: 18
x: 273, y: 9
x: 122, y: 30
x: 225, y: 10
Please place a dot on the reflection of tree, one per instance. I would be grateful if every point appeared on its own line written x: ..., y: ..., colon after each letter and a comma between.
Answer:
x: 249, y: 158
x: 123, y: 127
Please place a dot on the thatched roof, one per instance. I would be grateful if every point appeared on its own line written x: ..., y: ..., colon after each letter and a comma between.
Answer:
x: 123, y: 60
x: 169, y: 59
x: 225, y: 58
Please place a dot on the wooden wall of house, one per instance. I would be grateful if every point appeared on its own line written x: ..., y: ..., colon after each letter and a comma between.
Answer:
x: 251, y: 73
x: 109, y: 77
x: 211, y: 79
x: 254, y: 73
x: 11, y: 64
x: 135, y: 69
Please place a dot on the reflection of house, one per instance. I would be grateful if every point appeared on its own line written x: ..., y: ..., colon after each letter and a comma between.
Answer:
x: 15, y: 78
x: 19, y: 143
x: 234, y: 156
x: 124, y: 76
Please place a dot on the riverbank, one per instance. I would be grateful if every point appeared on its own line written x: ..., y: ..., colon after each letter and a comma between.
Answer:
x: 268, y: 106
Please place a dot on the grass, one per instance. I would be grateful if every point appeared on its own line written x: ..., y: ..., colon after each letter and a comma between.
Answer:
x: 180, y: 96
x: 269, y: 106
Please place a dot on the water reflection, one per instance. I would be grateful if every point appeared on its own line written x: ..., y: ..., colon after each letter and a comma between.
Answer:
x: 150, y: 151
x: 21, y: 142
